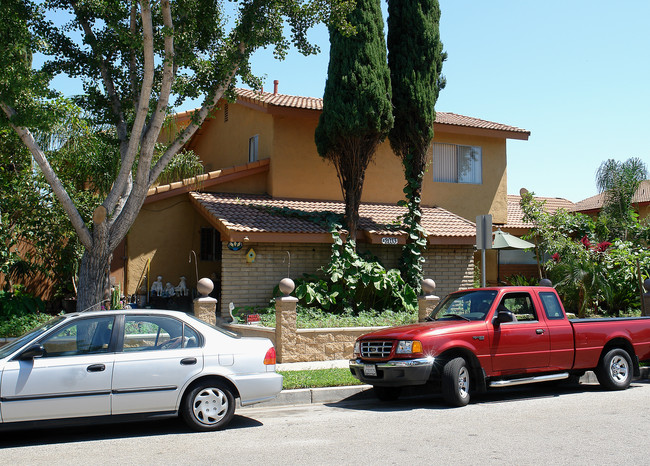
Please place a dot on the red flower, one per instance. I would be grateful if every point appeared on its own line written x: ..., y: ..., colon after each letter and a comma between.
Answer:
x: 555, y: 257
x: 602, y: 247
x: 585, y: 242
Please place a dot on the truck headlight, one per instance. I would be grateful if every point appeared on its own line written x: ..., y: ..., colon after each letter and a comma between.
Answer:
x: 408, y: 347
x: 357, y: 349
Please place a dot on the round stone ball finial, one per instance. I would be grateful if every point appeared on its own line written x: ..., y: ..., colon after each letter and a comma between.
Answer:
x: 646, y: 285
x: 286, y: 286
x: 428, y: 286
x: 545, y: 282
x: 204, y: 287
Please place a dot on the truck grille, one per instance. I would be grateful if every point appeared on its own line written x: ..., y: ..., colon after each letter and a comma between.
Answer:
x: 376, y: 349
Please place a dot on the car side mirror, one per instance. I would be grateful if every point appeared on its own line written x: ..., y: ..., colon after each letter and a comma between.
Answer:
x: 34, y: 351
x: 503, y: 316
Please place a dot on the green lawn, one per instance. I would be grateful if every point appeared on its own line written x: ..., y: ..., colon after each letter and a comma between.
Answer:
x: 318, y: 378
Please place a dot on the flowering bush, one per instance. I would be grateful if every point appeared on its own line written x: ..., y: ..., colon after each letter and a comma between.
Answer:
x: 592, y: 274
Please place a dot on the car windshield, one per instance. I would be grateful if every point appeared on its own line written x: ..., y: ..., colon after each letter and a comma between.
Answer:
x: 27, y: 337
x: 468, y: 305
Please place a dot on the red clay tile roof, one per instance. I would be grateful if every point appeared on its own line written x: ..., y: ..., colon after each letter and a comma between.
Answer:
x: 596, y: 202
x: 236, y: 214
x: 312, y: 103
x: 515, y: 214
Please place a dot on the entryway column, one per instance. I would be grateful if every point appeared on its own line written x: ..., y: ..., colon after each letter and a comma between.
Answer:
x: 428, y: 301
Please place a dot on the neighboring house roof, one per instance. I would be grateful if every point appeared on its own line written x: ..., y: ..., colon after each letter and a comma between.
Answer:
x: 241, y: 216
x: 516, y: 215
x: 593, y: 204
x: 268, y: 101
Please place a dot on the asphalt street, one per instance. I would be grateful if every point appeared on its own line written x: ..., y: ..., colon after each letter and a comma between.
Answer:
x: 521, y: 425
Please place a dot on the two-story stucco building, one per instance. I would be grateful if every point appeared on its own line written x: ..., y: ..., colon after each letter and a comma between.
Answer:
x: 260, y: 151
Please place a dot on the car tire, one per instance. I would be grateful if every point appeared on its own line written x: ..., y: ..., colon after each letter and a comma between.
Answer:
x: 455, y: 383
x: 387, y: 393
x: 208, y: 406
x: 615, y: 370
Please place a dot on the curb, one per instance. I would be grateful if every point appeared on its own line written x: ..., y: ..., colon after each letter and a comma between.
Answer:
x: 305, y: 396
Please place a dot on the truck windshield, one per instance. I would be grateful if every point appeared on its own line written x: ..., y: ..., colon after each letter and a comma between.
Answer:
x: 467, y: 305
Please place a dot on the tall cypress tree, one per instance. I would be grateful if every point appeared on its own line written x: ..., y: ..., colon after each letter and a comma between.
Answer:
x: 415, y: 59
x: 357, y: 112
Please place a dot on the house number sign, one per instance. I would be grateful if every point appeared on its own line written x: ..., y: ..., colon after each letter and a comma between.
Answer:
x: 389, y: 241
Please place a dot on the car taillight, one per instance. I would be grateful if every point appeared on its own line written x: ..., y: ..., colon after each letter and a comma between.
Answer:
x: 269, y: 359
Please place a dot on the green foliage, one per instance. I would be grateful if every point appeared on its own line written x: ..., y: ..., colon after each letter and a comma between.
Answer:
x: 357, y: 113
x: 520, y: 280
x: 336, y: 377
x: 17, y: 325
x: 415, y: 60
x: 315, y: 317
x: 35, y: 234
x: 18, y: 303
x: 592, y: 272
x: 132, y: 58
x: 619, y: 182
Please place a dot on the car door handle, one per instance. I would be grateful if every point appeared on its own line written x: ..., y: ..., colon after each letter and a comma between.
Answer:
x: 96, y: 368
x: 539, y: 331
x: 188, y: 361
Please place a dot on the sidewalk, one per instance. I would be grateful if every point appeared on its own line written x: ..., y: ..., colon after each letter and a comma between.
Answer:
x: 304, y: 396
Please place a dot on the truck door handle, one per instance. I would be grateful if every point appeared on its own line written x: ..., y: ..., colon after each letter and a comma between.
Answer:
x: 96, y: 368
x: 188, y: 361
x: 539, y: 331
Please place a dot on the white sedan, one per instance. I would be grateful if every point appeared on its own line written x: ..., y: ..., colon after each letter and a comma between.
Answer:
x: 115, y: 365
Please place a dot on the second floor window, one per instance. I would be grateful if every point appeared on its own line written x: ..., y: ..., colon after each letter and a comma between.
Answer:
x: 454, y: 163
x: 252, y: 148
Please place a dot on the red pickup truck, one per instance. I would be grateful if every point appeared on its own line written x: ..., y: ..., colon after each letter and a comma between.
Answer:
x: 498, y: 337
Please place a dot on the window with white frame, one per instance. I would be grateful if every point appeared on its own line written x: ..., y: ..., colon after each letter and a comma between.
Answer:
x: 252, y: 148
x: 453, y: 163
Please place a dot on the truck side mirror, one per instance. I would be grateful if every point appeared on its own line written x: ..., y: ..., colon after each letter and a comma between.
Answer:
x: 503, y: 316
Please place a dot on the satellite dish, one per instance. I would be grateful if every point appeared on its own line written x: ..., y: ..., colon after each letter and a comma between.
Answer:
x: 523, y: 192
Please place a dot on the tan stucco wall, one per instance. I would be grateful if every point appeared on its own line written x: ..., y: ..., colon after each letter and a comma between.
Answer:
x: 166, y: 232
x: 222, y: 144
x: 297, y: 171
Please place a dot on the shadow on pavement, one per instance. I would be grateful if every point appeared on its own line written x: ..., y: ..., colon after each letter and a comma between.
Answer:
x: 426, y: 397
x: 86, y: 433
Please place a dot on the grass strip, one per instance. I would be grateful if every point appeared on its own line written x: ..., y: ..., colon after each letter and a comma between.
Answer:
x: 318, y: 378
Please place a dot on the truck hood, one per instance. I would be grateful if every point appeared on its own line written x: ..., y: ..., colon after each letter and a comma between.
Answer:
x: 415, y: 331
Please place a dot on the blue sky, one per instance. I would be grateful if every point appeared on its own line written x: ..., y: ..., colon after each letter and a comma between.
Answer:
x: 574, y: 73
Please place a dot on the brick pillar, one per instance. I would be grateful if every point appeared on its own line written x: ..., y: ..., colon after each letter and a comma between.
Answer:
x: 285, y: 323
x: 428, y: 300
x: 646, y: 298
x: 205, y: 307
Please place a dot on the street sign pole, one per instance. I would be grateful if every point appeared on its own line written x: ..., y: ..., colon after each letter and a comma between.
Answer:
x: 483, y: 240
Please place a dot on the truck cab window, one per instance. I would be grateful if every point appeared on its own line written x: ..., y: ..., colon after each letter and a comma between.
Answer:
x: 552, y: 306
x: 521, y: 305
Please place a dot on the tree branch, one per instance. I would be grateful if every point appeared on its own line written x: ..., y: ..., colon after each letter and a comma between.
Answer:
x: 60, y: 192
x: 196, y: 123
x: 141, y: 114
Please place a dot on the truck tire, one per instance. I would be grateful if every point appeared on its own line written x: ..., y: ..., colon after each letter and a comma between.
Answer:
x: 614, y: 372
x: 455, y: 382
x: 387, y: 393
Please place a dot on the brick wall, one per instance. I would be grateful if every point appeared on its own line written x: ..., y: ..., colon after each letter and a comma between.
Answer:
x: 251, y: 284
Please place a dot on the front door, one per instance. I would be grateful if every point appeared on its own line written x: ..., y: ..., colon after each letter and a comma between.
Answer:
x: 522, y: 345
x: 71, y: 379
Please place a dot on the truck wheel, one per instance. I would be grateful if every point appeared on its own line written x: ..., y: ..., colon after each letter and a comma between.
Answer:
x: 387, y: 393
x: 209, y: 406
x: 455, y: 382
x: 615, y: 370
